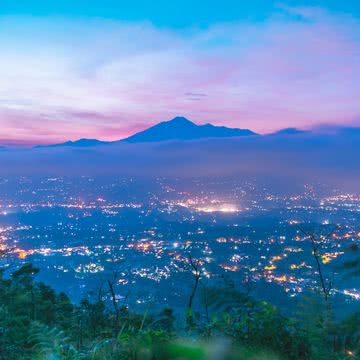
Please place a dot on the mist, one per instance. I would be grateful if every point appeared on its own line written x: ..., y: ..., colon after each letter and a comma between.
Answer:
x: 329, y: 158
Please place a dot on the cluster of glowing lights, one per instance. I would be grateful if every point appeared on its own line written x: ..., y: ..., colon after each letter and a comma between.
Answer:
x: 211, y: 206
x: 232, y: 268
x: 352, y: 293
x: 299, y: 266
x: 218, y: 208
x: 326, y: 258
x: 89, y: 268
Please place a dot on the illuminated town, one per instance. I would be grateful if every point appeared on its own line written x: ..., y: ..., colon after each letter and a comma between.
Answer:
x: 145, y: 236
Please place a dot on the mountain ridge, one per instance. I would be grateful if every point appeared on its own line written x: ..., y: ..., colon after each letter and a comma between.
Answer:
x: 182, y: 129
x: 84, y: 142
x: 289, y: 131
x: 178, y: 128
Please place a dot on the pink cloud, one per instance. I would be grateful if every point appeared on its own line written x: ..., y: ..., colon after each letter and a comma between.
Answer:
x: 106, y: 80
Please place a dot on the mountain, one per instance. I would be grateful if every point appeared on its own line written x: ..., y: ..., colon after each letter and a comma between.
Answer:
x: 77, y: 143
x: 181, y: 128
x: 178, y: 128
x: 289, y: 131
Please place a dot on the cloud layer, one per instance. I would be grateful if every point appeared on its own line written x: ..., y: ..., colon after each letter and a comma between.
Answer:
x: 66, y: 79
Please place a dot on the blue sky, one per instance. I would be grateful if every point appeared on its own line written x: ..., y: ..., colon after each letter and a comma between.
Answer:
x: 172, y: 14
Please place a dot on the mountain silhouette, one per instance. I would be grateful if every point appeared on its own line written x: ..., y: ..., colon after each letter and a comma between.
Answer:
x: 181, y: 128
x: 289, y: 131
x: 178, y: 128
x: 77, y: 143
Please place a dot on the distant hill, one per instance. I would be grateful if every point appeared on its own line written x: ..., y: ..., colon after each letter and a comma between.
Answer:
x: 181, y: 128
x: 77, y: 143
x: 289, y: 131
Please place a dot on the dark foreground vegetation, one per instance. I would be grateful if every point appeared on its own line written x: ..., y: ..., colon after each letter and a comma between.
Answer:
x: 38, y: 323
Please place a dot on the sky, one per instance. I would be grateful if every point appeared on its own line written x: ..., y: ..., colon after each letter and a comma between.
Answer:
x: 106, y: 69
